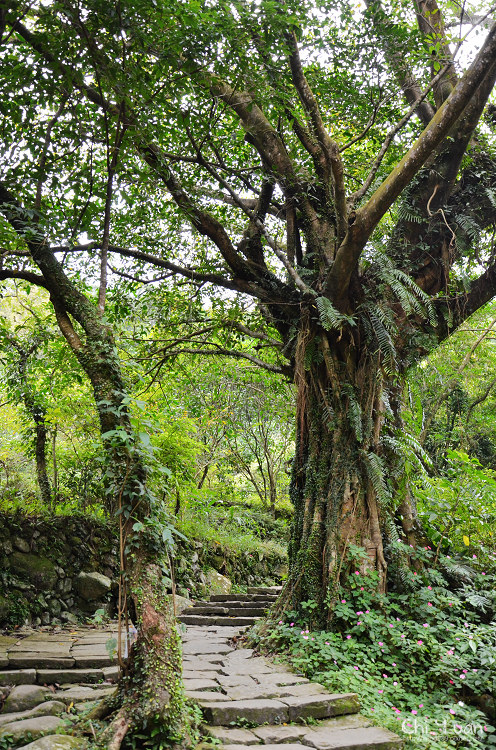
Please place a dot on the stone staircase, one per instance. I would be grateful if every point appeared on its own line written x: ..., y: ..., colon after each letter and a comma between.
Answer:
x: 231, y: 609
x: 249, y: 700
x: 245, y: 699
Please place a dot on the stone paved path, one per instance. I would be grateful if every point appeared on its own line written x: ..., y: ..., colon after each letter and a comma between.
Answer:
x: 249, y: 700
x: 245, y: 699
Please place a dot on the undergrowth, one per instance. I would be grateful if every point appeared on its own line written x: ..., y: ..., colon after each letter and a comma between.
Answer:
x: 422, y: 659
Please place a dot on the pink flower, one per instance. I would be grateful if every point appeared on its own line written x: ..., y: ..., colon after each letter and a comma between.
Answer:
x: 462, y: 677
x: 355, y: 668
x: 429, y: 604
x: 305, y: 637
x: 452, y: 711
x: 280, y: 622
x: 359, y: 622
x: 426, y: 625
x: 360, y: 612
x: 413, y: 711
x: 357, y: 572
x: 420, y: 643
x: 403, y: 635
x: 395, y: 683
x: 348, y: 636
x: 394, y: 663
x: 421, y: 705
x: 362, y: 588
x: 291, y: 624
x: 474, y: 557
x: 385, y: 675
x: 343, y: 601
x: 430, y: 588
x: 380, y: 691
x: 381, y: 643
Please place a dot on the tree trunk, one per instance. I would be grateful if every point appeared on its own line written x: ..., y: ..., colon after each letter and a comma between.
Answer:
x: 151, y: 692
x: 41, y: 434
x: 339, y: 489
x: 152, y: 695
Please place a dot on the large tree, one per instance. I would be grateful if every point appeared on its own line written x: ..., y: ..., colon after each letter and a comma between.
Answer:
x: 327, y: 161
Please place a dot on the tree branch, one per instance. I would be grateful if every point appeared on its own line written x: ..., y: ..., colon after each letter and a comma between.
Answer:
x: 368, y: 216
x: 221, y: 351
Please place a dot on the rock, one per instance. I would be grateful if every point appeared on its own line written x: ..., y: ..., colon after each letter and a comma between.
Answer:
x: 182, y: 603
x: 23, y: 697
x: 280, y: 570
x: 21, y: 544
x: 367, y: 738
x: 259, y: 711
x: 55, y: 607
x: 200, y: 684
x: 320, y: 706
x: 276, y: 734
x: 56, y: 742
x: 206, y: 696
x: 233, y: 736
x: 217, y: 583
x: 35, y: 727
x: 201, y: 647
x: 37, y: 570
x: 6, y: 547
x: 68, y: 676
x: 79, y: 693
x: 18, y: 677
x: 218, y: 561
x: 69, y: 617
x: 50, y: 708
x: 92, y: 586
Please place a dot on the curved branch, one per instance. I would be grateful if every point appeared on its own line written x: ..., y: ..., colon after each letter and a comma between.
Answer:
x: 221, y: 351
x: 30, y: 277
x: 368, y: 216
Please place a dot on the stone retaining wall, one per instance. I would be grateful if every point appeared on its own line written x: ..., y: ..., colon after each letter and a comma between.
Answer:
x: 63, y: 568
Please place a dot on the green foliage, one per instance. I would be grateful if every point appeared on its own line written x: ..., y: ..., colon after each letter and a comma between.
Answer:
x: 331, y: 318
x: 458, y: 508
x: 419, y: 660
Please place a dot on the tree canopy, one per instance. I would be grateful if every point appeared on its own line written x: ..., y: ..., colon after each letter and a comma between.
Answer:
x: 321, y: 179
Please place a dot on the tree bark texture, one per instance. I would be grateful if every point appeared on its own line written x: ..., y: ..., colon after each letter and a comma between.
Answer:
x: 338, y: 487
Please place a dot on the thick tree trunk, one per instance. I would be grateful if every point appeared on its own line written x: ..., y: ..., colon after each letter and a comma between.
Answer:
x: 339, y: 490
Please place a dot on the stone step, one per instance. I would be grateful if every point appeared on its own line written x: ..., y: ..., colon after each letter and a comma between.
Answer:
x: 40, y: 661
x: 368, y: 738
x: 284, y: 709
x: 247, y: 611
x: 226, y: 611
x: 216, y: 621
x: 264, y: 589
x: 234, y: 604
x: 243, y: 597
x: 205, y: 609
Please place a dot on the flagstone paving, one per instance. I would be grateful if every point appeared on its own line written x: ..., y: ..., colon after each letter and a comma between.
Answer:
x: 249, y: 700
x: 246, y: 699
